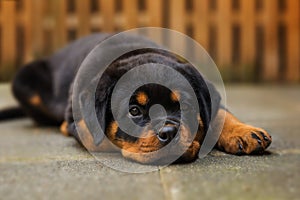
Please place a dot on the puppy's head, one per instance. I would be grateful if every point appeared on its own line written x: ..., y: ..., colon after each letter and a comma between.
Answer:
x: 161, y: 139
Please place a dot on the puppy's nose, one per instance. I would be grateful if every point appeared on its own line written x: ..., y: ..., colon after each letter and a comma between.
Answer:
x: 167, y: 133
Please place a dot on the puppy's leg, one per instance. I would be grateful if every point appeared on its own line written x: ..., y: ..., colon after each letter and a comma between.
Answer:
x: 239, y: 138
x: 32, y: 87
x: 64, y: 128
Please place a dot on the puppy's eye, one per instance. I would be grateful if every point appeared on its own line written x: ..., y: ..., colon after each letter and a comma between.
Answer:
x: 135, y: 111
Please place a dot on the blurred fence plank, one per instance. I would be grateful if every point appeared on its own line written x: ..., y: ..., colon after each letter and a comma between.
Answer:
x: 108, y: 13
x: 131, y: 13
x: 155, y: 12
x: 8, y: 34
x: 61, y: 19
x: 224, y: 32
x: 83, y: 17
x: 201, y: 22
x: 270, y: 23
x: 293, y: 41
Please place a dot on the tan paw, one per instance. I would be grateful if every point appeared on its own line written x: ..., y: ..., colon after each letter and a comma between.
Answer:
x: 245, y: 139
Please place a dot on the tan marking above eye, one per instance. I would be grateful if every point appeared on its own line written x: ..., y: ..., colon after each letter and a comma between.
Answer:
x: 142, y: 98
x: 35, y: 100
x: 175, y: 95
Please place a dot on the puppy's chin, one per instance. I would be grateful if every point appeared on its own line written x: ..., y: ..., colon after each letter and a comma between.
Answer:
x: 149, y: 149
x: 179, y: 153
x: 190, y: 155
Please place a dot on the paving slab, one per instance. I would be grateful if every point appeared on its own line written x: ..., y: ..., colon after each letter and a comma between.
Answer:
x: 223, y: 176
x: 40, y: 163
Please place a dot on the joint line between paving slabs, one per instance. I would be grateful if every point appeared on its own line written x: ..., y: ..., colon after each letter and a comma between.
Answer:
x: 163, y: 183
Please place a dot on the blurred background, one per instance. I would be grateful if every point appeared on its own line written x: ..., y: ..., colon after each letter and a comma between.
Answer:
x: 250, y: 40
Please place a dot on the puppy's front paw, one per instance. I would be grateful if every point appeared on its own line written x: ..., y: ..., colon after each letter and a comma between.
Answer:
x: 244, y: 139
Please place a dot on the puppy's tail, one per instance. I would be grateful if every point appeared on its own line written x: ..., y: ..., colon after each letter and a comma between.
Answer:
x: 11, y: 113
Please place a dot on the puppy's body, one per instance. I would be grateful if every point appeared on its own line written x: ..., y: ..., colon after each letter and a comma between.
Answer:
x: 42, y: 87
x: 44, y: 90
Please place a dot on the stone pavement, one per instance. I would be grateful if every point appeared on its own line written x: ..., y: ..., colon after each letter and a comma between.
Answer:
x: 40, y: 163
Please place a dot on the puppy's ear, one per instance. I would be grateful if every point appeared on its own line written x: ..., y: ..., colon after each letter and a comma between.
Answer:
x: 209, y: 100
x: 208, y: 97
x: 215, y: 98
x: 93, y: 106
x: 102, y: 105
x: 69, y: 118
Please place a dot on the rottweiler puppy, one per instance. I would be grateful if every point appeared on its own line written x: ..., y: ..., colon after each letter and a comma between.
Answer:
x: 44, y: 90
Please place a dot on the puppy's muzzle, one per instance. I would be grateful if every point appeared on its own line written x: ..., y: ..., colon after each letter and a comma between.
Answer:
x: 168, y: 132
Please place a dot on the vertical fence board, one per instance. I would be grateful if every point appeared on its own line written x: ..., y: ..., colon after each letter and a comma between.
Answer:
x: 155, y: 18
x: 177, y: 15
x: 224, y: 30
x: 201, y: 22
x: 108, y: 13
x: 28, y: 10
x: 60, y: 19
x: 83, y: 14
x: 9, y: 32
x: 247, y: 42
x: 130, y: 13
x: 155, y: 12
x: 37, y: 27
x: 270, y: 71
x: 293, y: 40
x: 177, y: 22
x: 248, y: 31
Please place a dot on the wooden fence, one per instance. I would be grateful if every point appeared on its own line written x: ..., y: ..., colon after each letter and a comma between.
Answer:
x: 249, y: 39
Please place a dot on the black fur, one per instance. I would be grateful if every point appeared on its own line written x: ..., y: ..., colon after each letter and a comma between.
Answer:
x: 12, y: 113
